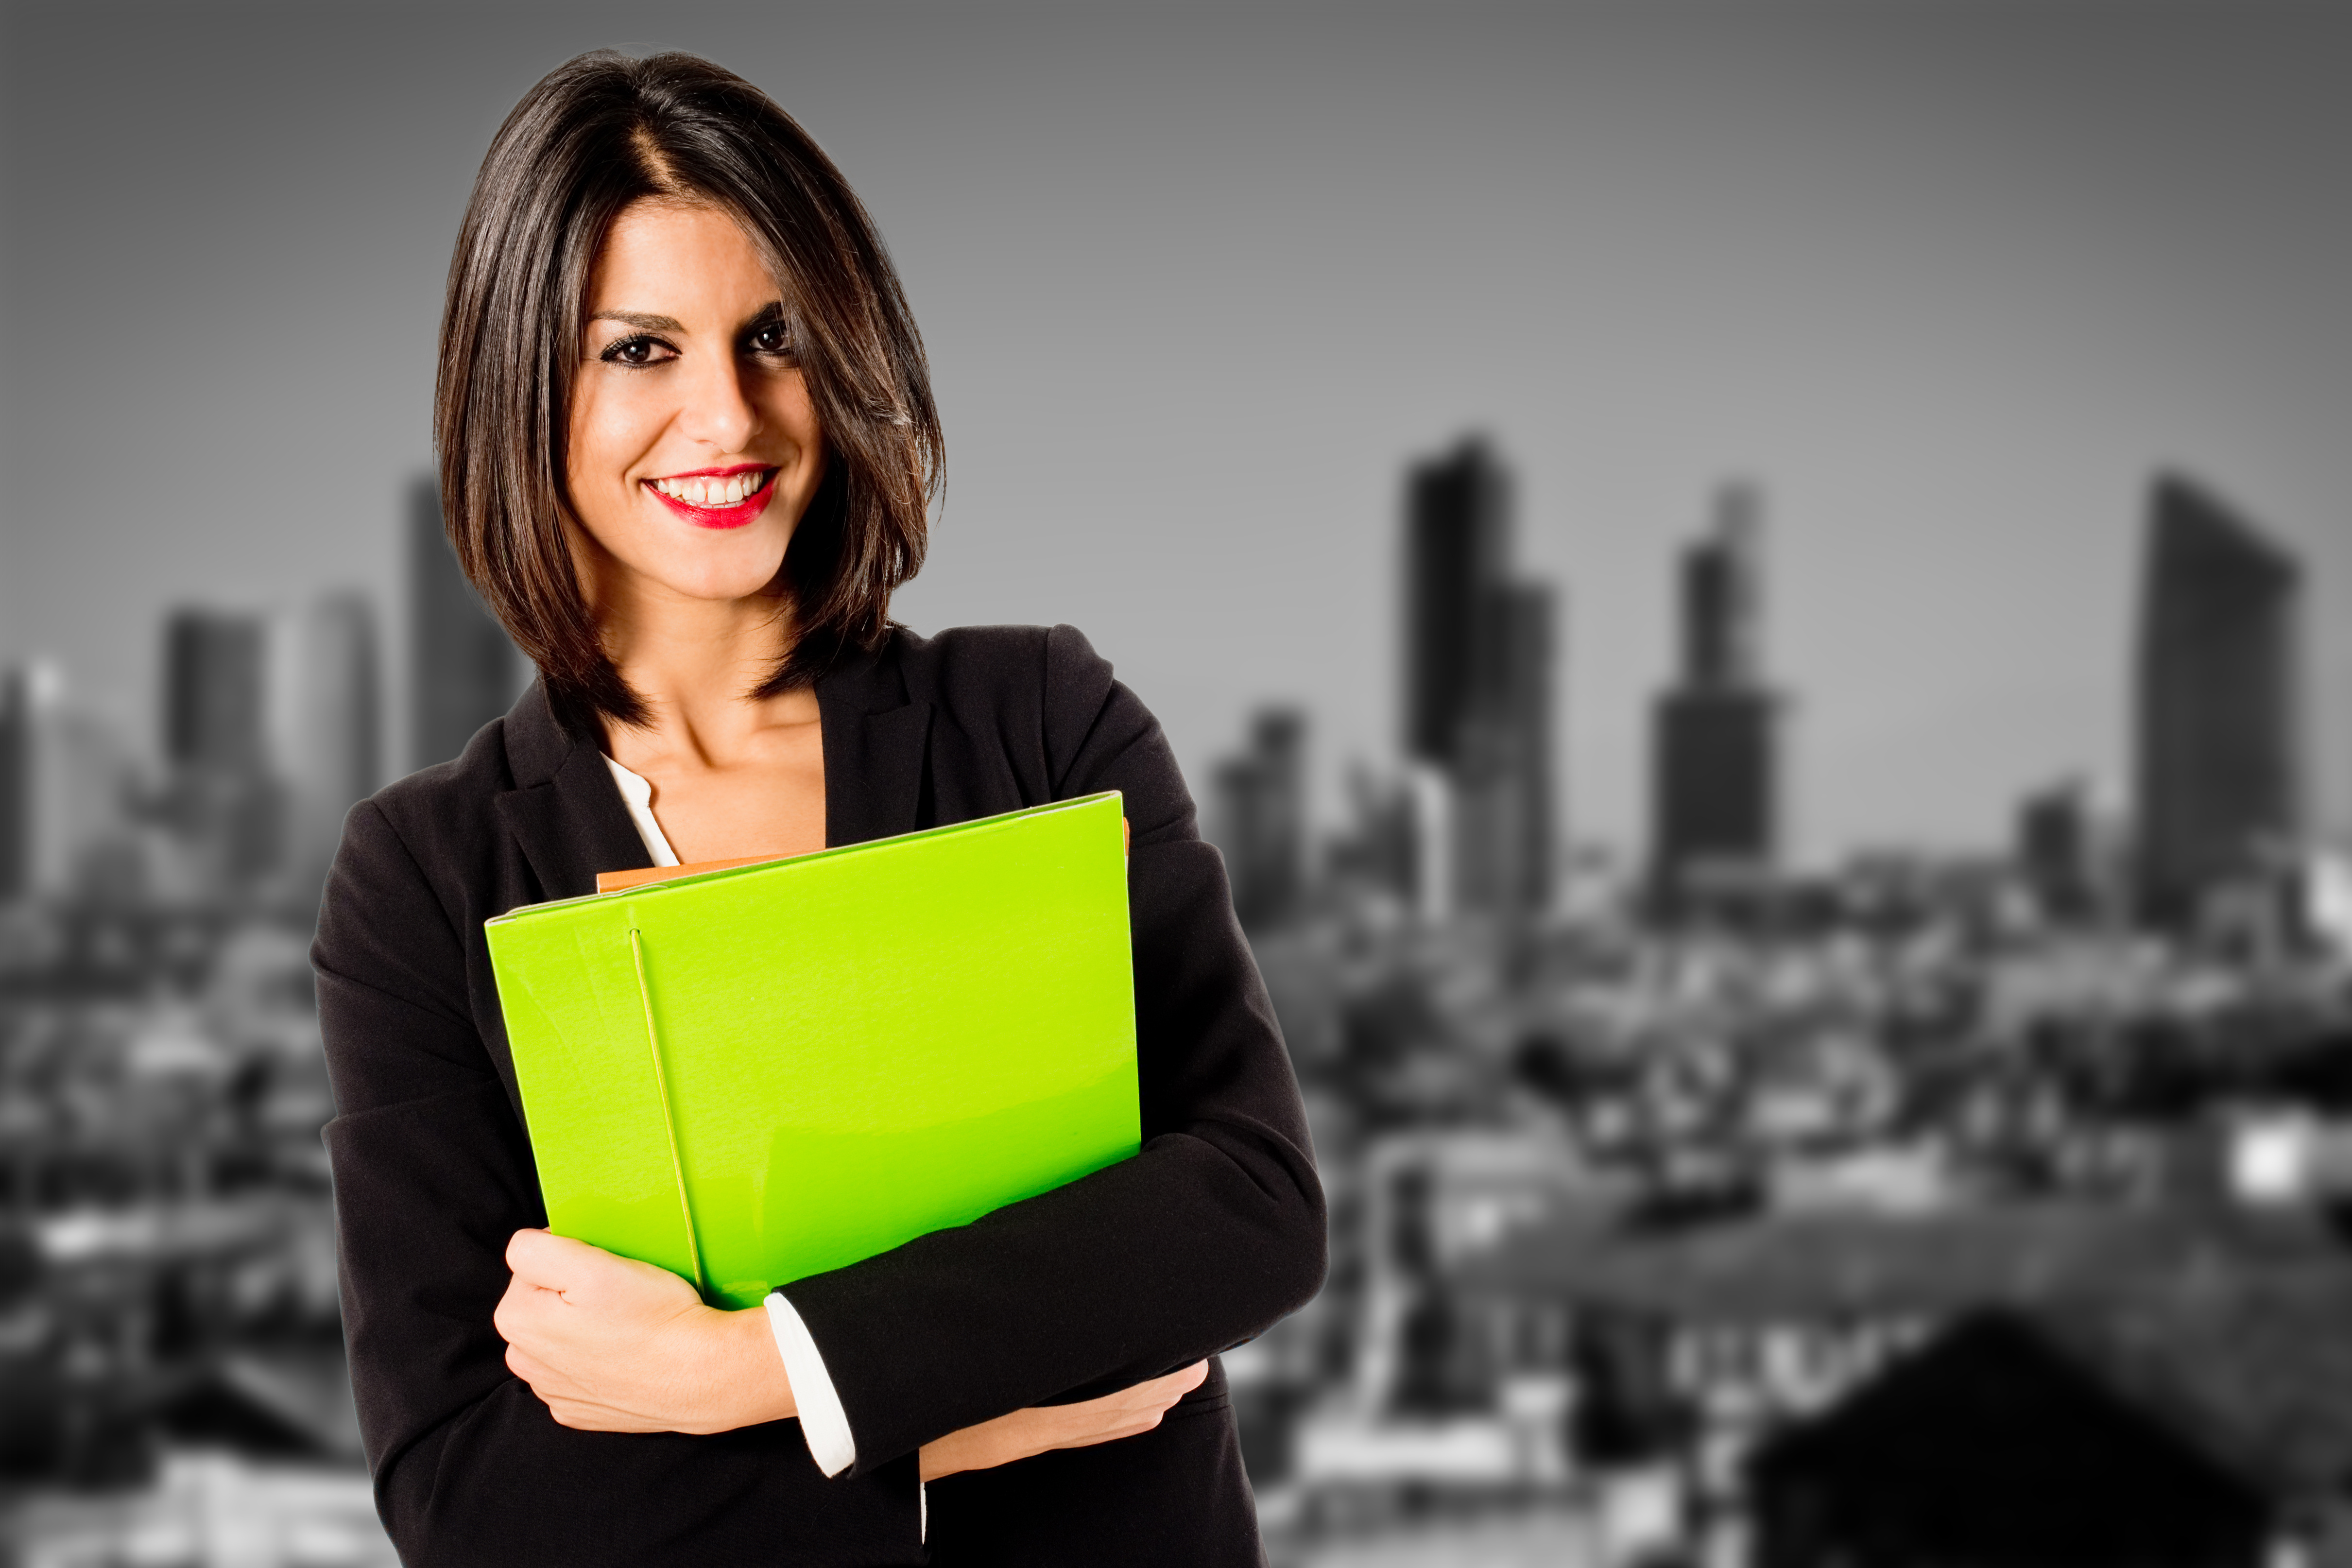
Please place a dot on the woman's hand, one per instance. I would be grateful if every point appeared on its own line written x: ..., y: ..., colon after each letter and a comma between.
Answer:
x: 1126, y: 1413
x: 614, y: 1346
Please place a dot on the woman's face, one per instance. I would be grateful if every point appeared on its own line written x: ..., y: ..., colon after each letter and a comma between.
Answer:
x: 694, y: 448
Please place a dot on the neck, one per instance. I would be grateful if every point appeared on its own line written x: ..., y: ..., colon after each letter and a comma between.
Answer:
x: 696, y: 662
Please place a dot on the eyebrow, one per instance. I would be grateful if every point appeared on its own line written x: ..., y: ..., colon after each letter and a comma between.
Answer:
x: 773, y: 310
x: 642, y: 323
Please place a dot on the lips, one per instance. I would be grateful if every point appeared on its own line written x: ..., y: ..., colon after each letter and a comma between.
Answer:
x: 704, y: 500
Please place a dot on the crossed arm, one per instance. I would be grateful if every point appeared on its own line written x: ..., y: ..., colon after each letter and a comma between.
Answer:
x: 609, y: 1344
x: 491, y: 1438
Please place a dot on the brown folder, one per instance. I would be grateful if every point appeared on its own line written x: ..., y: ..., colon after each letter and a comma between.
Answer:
x: 614, y: 881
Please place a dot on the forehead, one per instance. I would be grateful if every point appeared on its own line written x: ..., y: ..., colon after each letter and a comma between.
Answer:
x: 677, y: 259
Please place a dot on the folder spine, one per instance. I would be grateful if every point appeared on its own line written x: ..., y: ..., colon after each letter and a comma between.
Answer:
x: 669, y: 1114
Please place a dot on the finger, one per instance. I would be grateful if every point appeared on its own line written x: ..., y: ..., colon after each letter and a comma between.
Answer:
x: 1193, y: 1376
x: 1133, y: 1427
x: 529, y: 1255
x: 532, y: 1369
x: 550, y: 1261
x: 1169, y: 1387
x: 521, y: 1311
x: 582, y: 1417
x: 1173, y: 1386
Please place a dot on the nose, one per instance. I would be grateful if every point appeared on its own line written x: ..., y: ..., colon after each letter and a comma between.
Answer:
x: 719, y: 411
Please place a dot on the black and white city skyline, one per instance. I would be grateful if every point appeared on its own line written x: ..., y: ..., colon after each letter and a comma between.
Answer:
x: 1949, y: 286
x: 1757, y: 596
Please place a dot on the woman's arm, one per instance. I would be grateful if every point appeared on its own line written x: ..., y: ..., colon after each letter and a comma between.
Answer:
x: 432, y: 1176
x: 609, y: 1344
x: 1211, y: 1233
x: 1204, y: 1238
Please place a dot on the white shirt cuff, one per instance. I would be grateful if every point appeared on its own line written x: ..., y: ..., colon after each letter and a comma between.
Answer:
x: 822, y: 1421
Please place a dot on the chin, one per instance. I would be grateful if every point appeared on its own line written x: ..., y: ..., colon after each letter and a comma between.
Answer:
x: 729, y: 588
x: 738, y: 569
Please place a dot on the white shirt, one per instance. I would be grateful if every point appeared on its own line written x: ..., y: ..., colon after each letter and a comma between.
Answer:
x: 822, y: 1421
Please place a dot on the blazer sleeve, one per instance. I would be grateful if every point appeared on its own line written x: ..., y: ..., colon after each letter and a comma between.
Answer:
x: 432, y: 1173
x: 1210, y: 1233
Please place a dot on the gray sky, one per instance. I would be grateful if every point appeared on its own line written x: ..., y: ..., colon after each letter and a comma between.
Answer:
x: 1950, y: 282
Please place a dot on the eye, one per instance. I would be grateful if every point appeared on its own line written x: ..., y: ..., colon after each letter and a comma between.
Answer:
x: 770, y: 338
x: 640, y: 350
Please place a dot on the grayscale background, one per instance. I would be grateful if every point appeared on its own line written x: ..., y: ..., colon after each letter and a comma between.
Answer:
x: 1948, y: 287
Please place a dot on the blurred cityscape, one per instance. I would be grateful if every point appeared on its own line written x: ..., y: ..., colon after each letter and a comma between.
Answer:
x: 1686, y: 1208
x: 1689, y: 1209
x: 172, y: 1387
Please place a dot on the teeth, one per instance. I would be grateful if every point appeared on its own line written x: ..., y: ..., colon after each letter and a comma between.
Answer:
x: 707, y: 492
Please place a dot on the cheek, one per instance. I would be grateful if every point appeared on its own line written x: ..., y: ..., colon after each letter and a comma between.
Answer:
x: 785, y: 409
x: 609, y: 433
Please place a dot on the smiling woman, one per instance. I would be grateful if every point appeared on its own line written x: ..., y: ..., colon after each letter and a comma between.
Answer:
x: 693, y: 456
x: 687, y: 446
x: 670, y: 391
x: 575, y: 200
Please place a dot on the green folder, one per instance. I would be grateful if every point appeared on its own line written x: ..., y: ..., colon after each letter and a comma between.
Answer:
x: 752, y: 1075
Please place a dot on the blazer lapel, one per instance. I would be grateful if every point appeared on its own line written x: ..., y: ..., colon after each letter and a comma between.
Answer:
x: 569, y: 820
x: 875, y: 740
x: 565, y: 813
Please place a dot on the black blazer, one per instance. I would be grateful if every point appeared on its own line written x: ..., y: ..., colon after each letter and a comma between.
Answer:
x: 1215, y: 1231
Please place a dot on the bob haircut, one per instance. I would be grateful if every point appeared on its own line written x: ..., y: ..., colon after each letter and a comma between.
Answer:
x: 600, y: 132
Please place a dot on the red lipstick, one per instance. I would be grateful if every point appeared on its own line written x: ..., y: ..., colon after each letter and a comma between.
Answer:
x: 721, y: 517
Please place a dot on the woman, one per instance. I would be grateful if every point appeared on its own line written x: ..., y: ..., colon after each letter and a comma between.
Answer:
x: 687, y: 443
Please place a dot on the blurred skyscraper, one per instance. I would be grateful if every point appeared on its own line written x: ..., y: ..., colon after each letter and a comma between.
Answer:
x: 2056, y: 849
x: 223, y: 795
x: 1374, y: 850
x: 1715, y: 765
x: 215, y: 703
x: 2217, y: 743
x: 462, y: 671
x: 1457, y: 553
x: 15, y: 781
x: 1261, y: 818
x: 325, y: 721
x: 1477, y: 682
x: 64, y: 778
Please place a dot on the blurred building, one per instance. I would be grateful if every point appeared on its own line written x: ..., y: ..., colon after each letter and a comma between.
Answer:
x: 222, y: 794
x: 1477, y: 684
x: 214, y: 705
x: 462, y: 671
x: 2055, y: 1436
x: 1373, y: 852
x: 2217, y: 741
x: 325, y: 721
x: 16, y: 782
x: 2057, y: 850
x: 1715, y: 765
x: 63, y: 782
x: 1261, y: 817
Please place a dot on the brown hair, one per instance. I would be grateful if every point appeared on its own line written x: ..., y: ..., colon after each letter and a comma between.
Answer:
x: 597, y: 133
